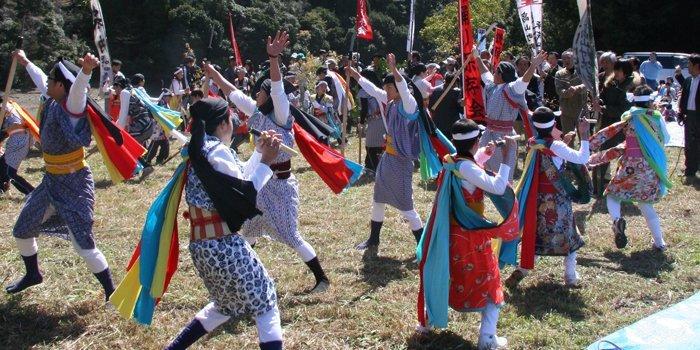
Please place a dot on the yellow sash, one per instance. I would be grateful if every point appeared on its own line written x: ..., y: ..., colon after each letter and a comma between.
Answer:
x: 62, y: 164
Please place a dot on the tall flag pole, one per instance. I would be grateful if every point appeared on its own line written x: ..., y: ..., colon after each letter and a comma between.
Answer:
x: 234, y: 43
x: 411, y: 29
x: 473, y: 98
x: 100, y: 36
x: 530, y: 13
x: 584, y: 48
x: 362, y: 26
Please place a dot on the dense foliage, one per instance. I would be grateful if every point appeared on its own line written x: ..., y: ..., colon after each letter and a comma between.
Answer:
x: 149, y: 36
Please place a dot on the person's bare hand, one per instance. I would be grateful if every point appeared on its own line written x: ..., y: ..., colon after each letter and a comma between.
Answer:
x: 391, y: 61
x: 268, y: 146
x: 89, y: 62
x: 490, y: 147
x: 584, y: 129
x: 349, y: 70
x: 20, y: 56
x: 276, y: 45
x: 541, y: 57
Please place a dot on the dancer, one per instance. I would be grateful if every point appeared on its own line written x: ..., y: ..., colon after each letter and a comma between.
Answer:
x: 372, y: 117
x: 17, y: 145
x: 63, y: 203
x: 546, y: 194
x: 232, y: 272
x: 279, y: 199
x: 641, y: 172
x: 457, y: 262
x: 393, y: 181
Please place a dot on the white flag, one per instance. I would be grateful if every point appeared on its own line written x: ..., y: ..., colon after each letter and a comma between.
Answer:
x: 100, y: 35
x: 586, y: 62
x: 411, y: 28
x: 530, y: 13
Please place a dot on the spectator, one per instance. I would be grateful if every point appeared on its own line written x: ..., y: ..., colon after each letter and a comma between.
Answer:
x: 434, y: 76
x: 690, y: 114
x: 450, y: 108
x: 230, y: 72
x: 449, y: 64
x: 551, y: 98
x: 606, y: 62
x: 650, y: 70
x: 533, y: 95
x: 571, y: 91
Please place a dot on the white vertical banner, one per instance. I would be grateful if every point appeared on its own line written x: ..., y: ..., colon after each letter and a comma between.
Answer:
x: 100, y: 36
x: 480, y: 33
x: 582, y: 6
x: 411, y: 28
x: 530, y: 13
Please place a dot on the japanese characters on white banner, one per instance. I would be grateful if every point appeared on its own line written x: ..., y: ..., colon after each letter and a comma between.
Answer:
x: 100, y: 35
x: 530, y: 13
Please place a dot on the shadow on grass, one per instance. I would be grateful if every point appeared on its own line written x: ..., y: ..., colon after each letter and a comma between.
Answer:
x: 580, y: 218
x: 24, y: 326
x: 548, y: 297
x: 647, y: 263
x: 439, y: 340
x: 103, y: 184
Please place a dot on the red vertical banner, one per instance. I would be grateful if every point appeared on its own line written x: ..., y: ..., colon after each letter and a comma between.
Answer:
x: 498, y: 40
x: 234, y: 43
x: 362, y: 26
x: 471, y: 79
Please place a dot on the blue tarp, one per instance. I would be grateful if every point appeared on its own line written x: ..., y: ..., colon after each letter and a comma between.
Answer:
x: 677, y: 327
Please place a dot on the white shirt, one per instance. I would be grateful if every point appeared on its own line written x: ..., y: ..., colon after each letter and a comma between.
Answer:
x: 124, y: 99
x: 564, y: 152
x: 475, y: 176
x: 693, y: 91
x: 176, y: 87
x: 222, y: 159
x: 519, y: 86
x: 247, y: 105
x: 407, y: 100
x: 423, y: 85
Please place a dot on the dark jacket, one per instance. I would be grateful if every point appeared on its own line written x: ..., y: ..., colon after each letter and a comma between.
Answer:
x: 685, y: 93
x: 447, y: 112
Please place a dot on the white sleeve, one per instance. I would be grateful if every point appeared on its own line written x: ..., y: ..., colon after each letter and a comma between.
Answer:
x: 481, y: 157
x: 177, y: 88
x: 38, y: 77
x: 124, y: 99
x: 479, y: 178
x: 252, y: 163
x: 373, y: 90
x: 424, y: 87
x: 223, y: 161
x: 564, y: 152
x: 487, y: 78
x: 77, y: 96
x: 280, y: 101
x: 519, y: 86
x: 243, y: 102
x: 408, y: 101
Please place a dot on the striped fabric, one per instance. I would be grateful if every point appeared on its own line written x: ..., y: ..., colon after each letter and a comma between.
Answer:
x: 206, y: 224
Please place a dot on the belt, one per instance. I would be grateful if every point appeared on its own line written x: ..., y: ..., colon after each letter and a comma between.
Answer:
x: 205, y: 224
x: 62, y: 164
x: 499, y: 125
x: 390, y: 146
x: 282, y: 170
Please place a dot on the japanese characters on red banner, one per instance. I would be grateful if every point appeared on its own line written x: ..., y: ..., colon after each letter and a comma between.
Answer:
x: 362, y: 26
x: 471, y: 79
x: 499, y: 38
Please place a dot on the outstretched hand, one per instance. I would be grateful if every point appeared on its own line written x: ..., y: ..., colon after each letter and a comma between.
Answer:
x: 20, y: 56
x: 541, y: 57
x: 352, y: 72
x: 276, y: 45
x: 391, y: 61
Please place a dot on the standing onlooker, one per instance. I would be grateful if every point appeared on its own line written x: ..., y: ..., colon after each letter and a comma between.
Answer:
x: 449, y: 65
x: 533, y: 95
x: 606, y: 62
x: 230, y: 72
x: 690, y: 114
x: 108, y: 96
x: 448, y: 111
x: 434, y: 76
x: 572, y: 93
x: 651, y: 69
x: 551, y: 98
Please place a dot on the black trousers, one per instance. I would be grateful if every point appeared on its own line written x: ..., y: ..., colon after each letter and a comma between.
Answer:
x: 159, y: 149
x: 372, y: 157
x: 692, y: 142
x: 8, y: 173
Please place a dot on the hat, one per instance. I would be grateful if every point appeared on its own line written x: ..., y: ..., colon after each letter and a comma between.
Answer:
x: 449, y: 61
x: 331, y: 61
x: 435, y: 65
x: 178, y: 71
x: 116, y: 62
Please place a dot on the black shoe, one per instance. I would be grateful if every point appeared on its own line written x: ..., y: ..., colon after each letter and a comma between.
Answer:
x: 619, y: 226
x: 31, y: 278
x: 322, y: 282
x: 417, y: 234
x: 373, y: 240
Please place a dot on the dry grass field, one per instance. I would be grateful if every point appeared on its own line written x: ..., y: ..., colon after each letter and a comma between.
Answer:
x: 371, y: 303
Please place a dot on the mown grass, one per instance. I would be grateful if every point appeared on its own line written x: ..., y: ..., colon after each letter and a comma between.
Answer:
x: 371, y: 304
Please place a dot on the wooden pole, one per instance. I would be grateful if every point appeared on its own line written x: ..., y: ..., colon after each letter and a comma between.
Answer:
x: 8, y: 83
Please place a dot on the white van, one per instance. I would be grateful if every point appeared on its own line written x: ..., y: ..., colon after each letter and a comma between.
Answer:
x: 669, y: 60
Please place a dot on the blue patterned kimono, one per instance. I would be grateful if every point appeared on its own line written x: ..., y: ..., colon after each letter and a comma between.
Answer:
x: 71, y: 195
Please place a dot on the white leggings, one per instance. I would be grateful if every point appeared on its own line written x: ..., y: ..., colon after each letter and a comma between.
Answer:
x: 650, y: 216
x: 414, y: 221
x: 489, y: 319
x: 569, y: 265
x: 305, y: 250
x: 268, y: 324
x: 94, y: 258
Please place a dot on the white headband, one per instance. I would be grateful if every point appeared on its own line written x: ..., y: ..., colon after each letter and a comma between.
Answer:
x: 466, y: 136
x: 66, y: 73
x: 642, y: 98
x: 546, y: 125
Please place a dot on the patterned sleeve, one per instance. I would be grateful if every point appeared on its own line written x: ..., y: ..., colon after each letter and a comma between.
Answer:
x: 606, y: 134
x: 606, y: 156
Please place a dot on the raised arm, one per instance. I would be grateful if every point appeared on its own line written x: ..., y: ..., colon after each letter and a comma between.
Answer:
x: 35, y: 73
x: 275, y: 46
x: 77, y: 96
x: 242, y: 101
x: 367, y: 85
x: 407, y: 100
x: 256, y: 170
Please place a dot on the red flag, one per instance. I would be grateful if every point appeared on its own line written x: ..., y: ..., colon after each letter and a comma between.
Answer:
x: 498, y: 40
x: 362, y: 26
x: 473, y: 98
x: 234, y: 43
